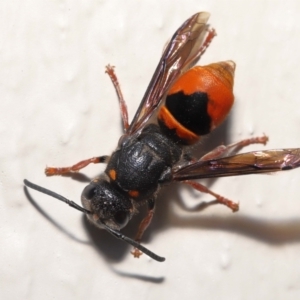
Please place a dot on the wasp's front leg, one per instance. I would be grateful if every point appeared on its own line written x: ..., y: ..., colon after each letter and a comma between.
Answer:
x: 50, y: 171
x: 143, y: 226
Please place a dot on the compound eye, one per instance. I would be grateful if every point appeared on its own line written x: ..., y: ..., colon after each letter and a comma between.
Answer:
x: 89, y: 192
x: 121, y: 218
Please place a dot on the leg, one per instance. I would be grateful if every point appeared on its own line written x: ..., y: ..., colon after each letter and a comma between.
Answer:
x: 124, y: 114
x: 200, y: 207
x: 220, y: 199
x: 49, y: 171
x: 211, y: 34
x: 143, y: 226
x: 235, y: 147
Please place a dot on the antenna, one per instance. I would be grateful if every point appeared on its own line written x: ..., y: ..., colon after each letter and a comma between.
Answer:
x: 115, y: 233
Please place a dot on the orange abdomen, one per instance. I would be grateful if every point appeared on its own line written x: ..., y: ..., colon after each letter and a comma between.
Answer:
x: 198, y: 102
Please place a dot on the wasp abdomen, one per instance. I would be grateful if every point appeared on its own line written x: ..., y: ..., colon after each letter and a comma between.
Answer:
x: 198, y: 102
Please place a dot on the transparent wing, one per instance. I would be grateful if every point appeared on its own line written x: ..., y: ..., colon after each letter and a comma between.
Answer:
x: 241, y: 164
x: 182, y: 51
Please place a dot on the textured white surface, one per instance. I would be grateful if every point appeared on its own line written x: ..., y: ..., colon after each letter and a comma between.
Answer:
x: 58, y: 107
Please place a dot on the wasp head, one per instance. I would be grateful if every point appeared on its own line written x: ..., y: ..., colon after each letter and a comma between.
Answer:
x: 107, y: 204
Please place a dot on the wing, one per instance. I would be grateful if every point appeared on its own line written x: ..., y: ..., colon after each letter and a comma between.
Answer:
x: 183, y: 50
x: 241, y: 164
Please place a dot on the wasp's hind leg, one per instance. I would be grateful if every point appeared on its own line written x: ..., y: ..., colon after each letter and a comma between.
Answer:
x: 223, y: 150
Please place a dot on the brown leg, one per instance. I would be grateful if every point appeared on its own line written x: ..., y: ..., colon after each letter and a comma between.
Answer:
x: 143, y: 226
x: 211, y: 34
x: 124, y: 114
x: 50, y: 171
x: 235, y: 147
x: 220, y: 199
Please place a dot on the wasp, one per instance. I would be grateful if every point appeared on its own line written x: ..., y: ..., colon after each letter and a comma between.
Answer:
x: 189, y: 102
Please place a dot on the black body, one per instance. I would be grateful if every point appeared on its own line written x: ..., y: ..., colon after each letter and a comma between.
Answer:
x: 144, y: 162
x: 135, y: 171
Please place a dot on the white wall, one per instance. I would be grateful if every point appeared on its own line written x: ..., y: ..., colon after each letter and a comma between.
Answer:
x: 58, y: 107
